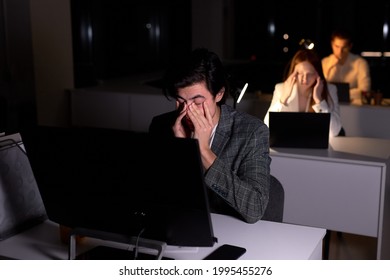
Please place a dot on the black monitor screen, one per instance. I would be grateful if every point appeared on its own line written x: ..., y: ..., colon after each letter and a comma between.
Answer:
x: 122, y: 182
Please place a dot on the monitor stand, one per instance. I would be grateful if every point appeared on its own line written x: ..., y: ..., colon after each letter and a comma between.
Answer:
x: 159, y: 246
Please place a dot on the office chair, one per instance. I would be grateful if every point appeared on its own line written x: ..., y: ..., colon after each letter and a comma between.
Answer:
x: 21, y: 205
x: 275, y: 207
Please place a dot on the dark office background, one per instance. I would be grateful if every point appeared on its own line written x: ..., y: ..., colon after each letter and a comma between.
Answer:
x: 116, y: 38
x: 123, y: 46
x: 119, y: 38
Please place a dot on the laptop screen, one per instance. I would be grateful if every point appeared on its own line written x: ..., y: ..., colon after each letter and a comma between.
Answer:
x: 299, y: 130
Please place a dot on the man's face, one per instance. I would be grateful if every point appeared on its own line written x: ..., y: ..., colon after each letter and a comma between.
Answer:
x: 200, y: 96
x: 340, y: 48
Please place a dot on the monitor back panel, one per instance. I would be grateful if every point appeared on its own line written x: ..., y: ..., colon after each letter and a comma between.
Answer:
x: 122, y: 182
x: 343, y: 92
x: 299, y: 130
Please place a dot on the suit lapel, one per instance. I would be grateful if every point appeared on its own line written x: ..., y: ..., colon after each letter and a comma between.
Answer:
x: 222, y: 133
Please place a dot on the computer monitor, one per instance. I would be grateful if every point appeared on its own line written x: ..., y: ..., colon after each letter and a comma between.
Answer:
x: 342, y: 92
x: 122, y: 182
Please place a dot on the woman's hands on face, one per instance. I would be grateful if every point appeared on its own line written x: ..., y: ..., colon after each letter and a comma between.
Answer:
x: 317, y: 90
x: 288, y: 86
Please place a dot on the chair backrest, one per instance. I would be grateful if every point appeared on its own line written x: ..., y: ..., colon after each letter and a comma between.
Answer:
x: 275, y: 207
x: 21, y: 205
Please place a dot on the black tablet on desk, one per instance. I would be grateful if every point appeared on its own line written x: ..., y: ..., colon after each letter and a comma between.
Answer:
x: 299, y: 130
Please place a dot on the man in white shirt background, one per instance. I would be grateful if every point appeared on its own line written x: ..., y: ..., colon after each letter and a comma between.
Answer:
x: 347, y: 67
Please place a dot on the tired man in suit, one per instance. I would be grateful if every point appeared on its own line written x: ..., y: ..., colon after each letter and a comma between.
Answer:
x: 234, y: 146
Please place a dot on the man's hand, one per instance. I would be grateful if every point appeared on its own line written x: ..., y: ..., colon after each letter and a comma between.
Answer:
x: 180, y: 130
x: 203, y: 123
x: 333, y: 60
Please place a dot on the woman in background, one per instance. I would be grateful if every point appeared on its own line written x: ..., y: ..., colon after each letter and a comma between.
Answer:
x: 306, y: 90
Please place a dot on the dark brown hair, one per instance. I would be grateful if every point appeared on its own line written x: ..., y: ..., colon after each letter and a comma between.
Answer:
x: 341, y: 34
x: 201, y: 65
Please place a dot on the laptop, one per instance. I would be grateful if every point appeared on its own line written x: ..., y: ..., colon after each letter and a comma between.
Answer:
x: 299, y: 130
x: 343, y: 92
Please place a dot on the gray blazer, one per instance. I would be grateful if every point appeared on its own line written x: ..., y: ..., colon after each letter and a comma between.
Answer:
x: 240, y: 174
x: 239, y: 179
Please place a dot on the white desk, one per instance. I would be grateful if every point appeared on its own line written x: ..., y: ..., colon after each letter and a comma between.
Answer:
x: 263, y: 240
x: 345, y: 188
x: 131, y: 104
x: 366, y: 120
